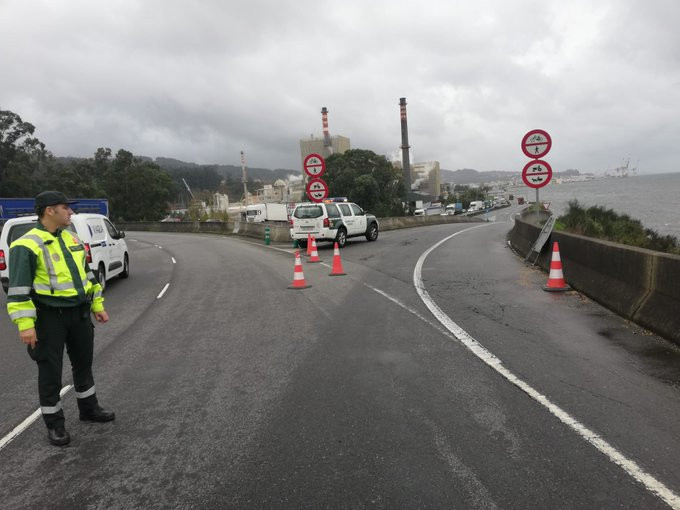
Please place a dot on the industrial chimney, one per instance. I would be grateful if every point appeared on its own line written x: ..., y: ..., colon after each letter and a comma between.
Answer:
x: 405, y: 160
x: 244, y: 178
x: 326, y: 135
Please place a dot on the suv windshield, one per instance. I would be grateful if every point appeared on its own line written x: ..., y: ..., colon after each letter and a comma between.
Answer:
x: 308, y: 211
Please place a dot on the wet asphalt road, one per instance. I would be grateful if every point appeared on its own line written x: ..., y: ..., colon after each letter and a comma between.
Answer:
x: 232, y: 391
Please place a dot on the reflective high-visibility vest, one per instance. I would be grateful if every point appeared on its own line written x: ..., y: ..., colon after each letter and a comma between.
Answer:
x: 52, y: 270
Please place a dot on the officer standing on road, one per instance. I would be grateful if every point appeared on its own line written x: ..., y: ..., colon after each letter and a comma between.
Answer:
x: 51, y: 293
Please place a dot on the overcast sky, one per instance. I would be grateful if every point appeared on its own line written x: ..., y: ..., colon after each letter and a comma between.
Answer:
x: 201, y: 81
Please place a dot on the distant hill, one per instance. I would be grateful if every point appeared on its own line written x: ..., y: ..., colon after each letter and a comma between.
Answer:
x: 265, y: 175
x: 470, y: 176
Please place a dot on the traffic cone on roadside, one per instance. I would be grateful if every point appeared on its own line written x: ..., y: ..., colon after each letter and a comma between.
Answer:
x: 337, y: 270
x: 298, y: 276
x: 314, y: 257
x: 309, y: 244
x: 556, y: 278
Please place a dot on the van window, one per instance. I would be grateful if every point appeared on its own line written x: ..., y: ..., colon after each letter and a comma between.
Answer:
x: 308, y: 211
x: 96, y: 229
x: 344, y: 208
x: 112, y: 230
x: 332, y: 210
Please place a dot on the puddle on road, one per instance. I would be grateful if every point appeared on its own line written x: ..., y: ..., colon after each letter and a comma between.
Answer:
x: 656, y: 357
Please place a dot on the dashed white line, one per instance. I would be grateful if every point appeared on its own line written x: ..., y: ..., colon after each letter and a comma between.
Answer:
x: 27, y: 422
x: 163, y: 291
x: 629, y: 466
x: 173, y: 260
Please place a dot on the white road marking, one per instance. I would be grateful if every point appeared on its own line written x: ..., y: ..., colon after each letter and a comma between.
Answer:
x: 27, y: 422
x: 173, y: 260
x: 163, y: 291
x: 629, y: 466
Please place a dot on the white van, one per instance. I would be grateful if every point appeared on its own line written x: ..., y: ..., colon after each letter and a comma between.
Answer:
x: 107, y: 251
x: 476, y: 205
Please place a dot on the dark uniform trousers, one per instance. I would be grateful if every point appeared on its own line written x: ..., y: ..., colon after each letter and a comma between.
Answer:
x: 56, y: 327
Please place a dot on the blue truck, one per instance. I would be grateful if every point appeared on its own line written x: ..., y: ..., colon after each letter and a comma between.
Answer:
x: 16, y: 207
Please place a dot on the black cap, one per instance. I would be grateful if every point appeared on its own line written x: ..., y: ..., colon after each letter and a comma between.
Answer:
x: 47, y: 198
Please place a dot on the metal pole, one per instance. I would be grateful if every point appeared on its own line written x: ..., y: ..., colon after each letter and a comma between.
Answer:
x: 244, y: 179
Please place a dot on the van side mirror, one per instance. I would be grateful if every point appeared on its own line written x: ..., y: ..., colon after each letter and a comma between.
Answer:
x: 121, y: 234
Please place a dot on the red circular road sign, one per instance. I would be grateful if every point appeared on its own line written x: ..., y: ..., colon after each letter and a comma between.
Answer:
x: 317, y: 190
x: 314, y: 165
x: 536, y: 174
x: 536, y: 143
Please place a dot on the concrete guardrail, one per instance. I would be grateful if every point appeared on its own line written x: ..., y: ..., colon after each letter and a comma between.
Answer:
x: 638, y: 284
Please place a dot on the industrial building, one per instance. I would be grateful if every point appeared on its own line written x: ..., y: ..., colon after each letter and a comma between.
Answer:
x: 323, y: 146
x: 313, y: 145
x: 426, y: 178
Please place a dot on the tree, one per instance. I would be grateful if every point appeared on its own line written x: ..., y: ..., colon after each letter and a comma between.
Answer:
x: 21, y: 156
x: 368, y: 179
x: 136, y: 189
x: 466, y: 194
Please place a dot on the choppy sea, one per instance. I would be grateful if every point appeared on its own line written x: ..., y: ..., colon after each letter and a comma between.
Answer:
x: 653, y: 199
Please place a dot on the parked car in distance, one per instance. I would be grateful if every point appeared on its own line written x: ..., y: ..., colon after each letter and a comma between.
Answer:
x: 107, y: 251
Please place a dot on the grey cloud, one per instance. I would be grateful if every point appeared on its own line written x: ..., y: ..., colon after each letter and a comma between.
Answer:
x: 203, y: 81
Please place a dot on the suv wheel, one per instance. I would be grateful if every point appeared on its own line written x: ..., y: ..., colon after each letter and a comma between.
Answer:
x: 126, y: 267
x: 341, y: 238
x: 302, y: 243
x: 101, y: 276
x: 372, y: 232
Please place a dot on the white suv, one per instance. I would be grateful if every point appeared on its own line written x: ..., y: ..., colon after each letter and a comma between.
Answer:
x: 332, y: 221
x: 107, y: 252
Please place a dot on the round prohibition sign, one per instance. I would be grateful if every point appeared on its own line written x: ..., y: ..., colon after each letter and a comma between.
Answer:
x: 536, y: 174
x: 314, y: 165
x: 317, y: 190
x: 536, y: 143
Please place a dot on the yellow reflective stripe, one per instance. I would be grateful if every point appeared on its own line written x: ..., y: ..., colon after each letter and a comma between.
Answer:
x: 23, y: 313
x: 18, y: 291
x: 56, y: 286
x: 51, y: 273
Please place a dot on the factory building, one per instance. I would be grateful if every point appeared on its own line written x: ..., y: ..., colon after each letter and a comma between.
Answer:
x: 313, y: 145
x: 426, y: 178
x: 323, y: 146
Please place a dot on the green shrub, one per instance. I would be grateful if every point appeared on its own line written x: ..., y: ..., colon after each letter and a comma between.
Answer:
x: 602, y: 223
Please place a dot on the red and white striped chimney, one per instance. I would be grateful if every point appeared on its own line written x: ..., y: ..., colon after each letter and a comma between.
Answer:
x: 326, y: 135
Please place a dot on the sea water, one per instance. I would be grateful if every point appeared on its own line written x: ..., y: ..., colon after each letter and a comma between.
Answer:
x: 652, y: 199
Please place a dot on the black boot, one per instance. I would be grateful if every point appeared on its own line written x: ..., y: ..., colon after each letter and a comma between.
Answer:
x: 58, y: 436
x: 97, y: 414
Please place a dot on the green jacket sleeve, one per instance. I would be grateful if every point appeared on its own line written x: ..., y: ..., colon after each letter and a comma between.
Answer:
x: 21, y: 275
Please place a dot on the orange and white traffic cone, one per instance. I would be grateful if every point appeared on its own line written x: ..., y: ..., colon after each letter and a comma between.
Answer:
x: 556, y: 278
x: 315, y: 254
x: 309, y: 244
x: 298, y: 276
x: 337, y: 270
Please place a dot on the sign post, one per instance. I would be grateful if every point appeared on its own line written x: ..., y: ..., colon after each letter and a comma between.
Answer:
x: 315, y: 166
x: 317, y: 190
x: 537, y: 173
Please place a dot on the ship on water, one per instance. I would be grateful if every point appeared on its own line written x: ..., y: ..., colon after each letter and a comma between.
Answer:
x: 625, y: 170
